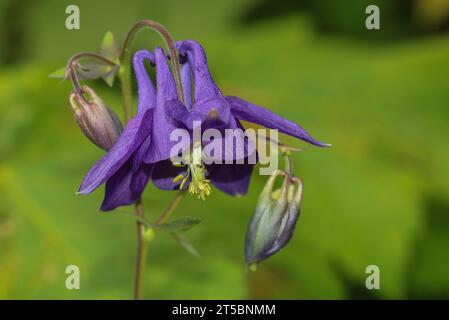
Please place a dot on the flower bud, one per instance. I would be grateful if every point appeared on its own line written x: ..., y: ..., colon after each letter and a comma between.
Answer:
x: 98, y: 122
x: 273, y: 222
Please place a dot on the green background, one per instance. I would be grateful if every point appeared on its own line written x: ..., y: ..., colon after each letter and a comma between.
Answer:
x: 378, y: 196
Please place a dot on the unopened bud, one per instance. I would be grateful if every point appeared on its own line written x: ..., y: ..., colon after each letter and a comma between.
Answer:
x: 273, y: 222
x: 98, y: 122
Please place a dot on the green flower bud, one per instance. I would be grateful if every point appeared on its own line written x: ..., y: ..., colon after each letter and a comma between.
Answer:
x: 98, y: 122
x: 273, y: 222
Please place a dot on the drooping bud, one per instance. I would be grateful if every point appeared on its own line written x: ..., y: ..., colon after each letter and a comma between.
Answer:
x: 273, y: 222
x: 98, y: 122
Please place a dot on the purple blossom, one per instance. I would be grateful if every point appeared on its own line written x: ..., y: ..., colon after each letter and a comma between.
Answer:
x: 142, y: 152
x: 227, y: 110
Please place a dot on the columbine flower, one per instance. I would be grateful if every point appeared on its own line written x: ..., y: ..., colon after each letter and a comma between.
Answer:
x: 273, y: 222
x: 213, y: 110
x: 98, y: 123
x: 143, y: 150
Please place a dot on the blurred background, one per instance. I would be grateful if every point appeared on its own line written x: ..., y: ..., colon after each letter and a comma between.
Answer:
x: 378, y: 196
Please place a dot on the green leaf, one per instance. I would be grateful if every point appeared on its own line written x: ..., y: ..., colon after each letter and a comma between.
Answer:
x: 110, y: 76
x: 186, y: 244
x: 110, y: 48
x: 58, y: 74
x: 91, y: 69
x: 182, y: 224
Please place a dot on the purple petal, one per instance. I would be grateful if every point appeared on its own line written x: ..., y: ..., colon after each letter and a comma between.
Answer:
x: 141, y: 177
x: 252, y: 113
x: 212, y: 113
x: 118, y: 191
x: 205, y: 87
x: 162, y: 127
x: 128, y: 183
x: 232, y: 179
x: 146, y: 95
x: 141, y: 170
x: 186, y: 77
x: 164, y: 173
x: 133, y: 135
x: 233, y: 145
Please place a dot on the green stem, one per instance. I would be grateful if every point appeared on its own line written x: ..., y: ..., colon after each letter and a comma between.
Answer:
x: 170, y: 209
x: 125, y: 82
x: 288, y: 164
x: 140, y: 259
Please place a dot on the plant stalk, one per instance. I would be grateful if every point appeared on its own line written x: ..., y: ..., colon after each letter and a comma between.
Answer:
x: 140, y: 261
x: 170, y: 209
x: 71, y: 69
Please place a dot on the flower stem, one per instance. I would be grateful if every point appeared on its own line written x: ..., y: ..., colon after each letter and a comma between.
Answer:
x: 71, y: 69
x: 170, y: 209
x: 125, y: 56
x: 288, y: 164
x: 140, y: 261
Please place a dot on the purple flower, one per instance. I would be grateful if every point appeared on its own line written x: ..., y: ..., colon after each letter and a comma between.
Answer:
x: 210, y: 108
x: 143, y: 150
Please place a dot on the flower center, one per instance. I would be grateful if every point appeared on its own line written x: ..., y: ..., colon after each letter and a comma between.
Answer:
x: 199, y: 186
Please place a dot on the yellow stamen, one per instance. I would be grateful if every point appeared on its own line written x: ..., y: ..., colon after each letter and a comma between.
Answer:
x: 178, y: 178
x: 199, y: 186
x: 178, y: 165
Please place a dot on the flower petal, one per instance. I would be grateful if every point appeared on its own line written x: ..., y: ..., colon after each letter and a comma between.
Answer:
x: 127, y: 184
x: 118, y: 191
x: 232, y: 179
x: 146, y: 95
x: 252, y: 113
x: 141, y: 170
x: 212, y: 113
x: 133, y: 135
x: 164, y: 173
x: 186, y: 77
x: 205, y: 87
x: 162, y: 126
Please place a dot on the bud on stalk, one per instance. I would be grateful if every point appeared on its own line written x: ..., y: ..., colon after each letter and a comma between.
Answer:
x: 273, y: 222
x: 98, y: 122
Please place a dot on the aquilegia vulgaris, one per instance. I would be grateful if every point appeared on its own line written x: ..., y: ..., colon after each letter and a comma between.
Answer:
x: 185, y: 137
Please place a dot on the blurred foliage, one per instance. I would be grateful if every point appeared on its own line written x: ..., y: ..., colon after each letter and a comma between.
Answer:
x: 378, y: 196
x: 400, y: 18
